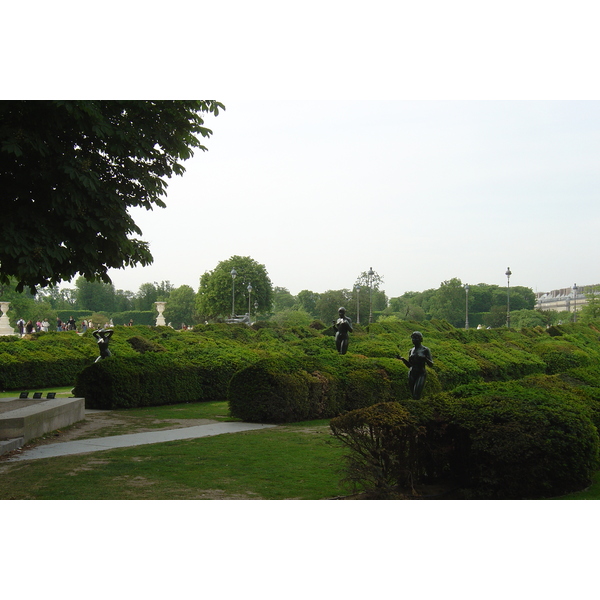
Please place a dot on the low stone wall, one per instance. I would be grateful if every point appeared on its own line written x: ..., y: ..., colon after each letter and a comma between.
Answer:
x: 33, y: 421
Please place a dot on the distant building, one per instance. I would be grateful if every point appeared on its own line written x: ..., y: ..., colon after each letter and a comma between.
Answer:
x: 565, y: 299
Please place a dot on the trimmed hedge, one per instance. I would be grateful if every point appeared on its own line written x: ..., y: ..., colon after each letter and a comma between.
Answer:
x: 45, y: 360
x: 486, y: 446
x: 154, y: 377
x: 518, y: 446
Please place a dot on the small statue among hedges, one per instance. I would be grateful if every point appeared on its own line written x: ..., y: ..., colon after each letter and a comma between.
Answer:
x: 103, y: 336
x: 418, y: 358
x: 342, y: 327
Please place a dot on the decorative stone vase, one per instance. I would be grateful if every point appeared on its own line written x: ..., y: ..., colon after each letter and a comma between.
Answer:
x: 5, y: 328
x: 160, y: 307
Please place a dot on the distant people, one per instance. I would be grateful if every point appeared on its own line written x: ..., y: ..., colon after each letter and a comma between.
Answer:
x: 418, y: 358
x: 59, y: 324
x: 21, y: 326
x: 103, y: 336
x: 342, y: 327
x: 84, y: 326
x: 72, y: 326
x: 29, y: 327
x: 130, y: 322
x: 45, y: 325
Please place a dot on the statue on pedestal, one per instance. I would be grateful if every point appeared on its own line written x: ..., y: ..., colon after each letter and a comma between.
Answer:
x: 342, y: 327
x: 418, y: 358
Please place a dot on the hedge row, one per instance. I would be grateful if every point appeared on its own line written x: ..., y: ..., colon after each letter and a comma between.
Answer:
x: 484, y: 447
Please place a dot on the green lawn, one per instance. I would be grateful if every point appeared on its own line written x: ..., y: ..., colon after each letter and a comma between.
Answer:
x: 591, y: 493
x: 298, y: 461
x: 62, y: 392
x: 295, y: 461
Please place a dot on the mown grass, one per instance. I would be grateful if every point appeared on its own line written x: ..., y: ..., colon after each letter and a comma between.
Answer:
x: 591, y: 493
x: 61, y: 392
x: 298, y: 461
x: 295, y: 461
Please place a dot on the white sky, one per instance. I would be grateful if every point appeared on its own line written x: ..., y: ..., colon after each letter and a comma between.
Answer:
x: 422, y: 191
x: 426, y: 140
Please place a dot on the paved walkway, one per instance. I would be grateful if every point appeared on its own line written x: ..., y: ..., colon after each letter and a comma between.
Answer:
x: 134, y: 439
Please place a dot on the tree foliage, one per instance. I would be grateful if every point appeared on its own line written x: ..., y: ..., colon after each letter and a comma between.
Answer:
x: 329, y: 303
x: 219, y: 290
x: 181, y: 306
x: 71, y: 170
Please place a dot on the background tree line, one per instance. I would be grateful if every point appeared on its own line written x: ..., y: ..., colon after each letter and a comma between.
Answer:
x: 251, y: 290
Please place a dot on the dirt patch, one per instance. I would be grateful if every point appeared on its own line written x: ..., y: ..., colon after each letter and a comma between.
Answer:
x: 104, y: 423
x: 107, y: 423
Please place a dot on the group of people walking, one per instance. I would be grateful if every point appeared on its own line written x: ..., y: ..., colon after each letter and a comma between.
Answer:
x: 26, y: 327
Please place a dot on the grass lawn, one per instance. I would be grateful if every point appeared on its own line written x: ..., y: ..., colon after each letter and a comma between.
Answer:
x: 297, y: 461
x: 591, y: 493
x: 62, y: 392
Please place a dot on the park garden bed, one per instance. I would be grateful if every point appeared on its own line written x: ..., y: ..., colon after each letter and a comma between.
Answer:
x: 505, y: 413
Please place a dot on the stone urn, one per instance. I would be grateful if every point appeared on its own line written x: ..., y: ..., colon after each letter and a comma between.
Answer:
x: 160, y: 307
x: 5, y: 328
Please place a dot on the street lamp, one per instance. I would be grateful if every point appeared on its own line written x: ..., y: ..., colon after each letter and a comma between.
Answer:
x: 249, y: 296
x: 370, y: 280
x: 508, y: 274
x: 467, y: 306
x: 233, y: 276
x: 575, y: 303
x: 357, y: 288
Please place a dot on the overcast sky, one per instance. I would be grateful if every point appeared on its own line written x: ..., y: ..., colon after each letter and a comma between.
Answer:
x: 425, y: 140
x: 422, y: 191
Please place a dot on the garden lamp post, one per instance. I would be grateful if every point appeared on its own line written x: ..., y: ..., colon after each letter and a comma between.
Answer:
x: 467, y: 306
x: 574, y: 303
x: 370, y: 280
x: 233, y: 276
x: 249, y: 296
x: 508, y: 274
x: 357, y: 288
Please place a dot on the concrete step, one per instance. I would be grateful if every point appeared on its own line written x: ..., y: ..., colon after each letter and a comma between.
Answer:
x: 9, y: 445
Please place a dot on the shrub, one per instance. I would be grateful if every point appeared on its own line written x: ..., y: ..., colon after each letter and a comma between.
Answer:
x: 509, y: 446
x: 279, y: 390
x: 385, y: 448
x: 154, y: 378
x: 141, y: 345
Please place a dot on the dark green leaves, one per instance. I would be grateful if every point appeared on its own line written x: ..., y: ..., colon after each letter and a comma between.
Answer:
x: 69, y: 172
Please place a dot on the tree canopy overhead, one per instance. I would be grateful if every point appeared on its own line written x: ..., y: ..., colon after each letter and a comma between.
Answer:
x: 71, y: 170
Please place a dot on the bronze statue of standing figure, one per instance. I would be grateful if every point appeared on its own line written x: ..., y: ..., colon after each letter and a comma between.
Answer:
x: 103, y: 336
x: 342, y: 327
x: 418, y: 358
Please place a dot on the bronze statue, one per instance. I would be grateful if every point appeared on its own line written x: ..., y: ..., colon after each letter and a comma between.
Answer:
x: 418, y: 358
x: 342, y: 327
x: 103, y: 336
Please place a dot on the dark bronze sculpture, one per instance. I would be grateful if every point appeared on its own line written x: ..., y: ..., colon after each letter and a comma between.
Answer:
x: 342, y: 327
x: 418, y: 358
x: 103, y: 336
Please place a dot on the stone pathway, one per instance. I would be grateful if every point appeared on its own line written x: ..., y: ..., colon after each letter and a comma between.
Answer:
x: 134, y: 439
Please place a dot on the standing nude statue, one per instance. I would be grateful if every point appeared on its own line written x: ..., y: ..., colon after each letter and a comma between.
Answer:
x: 342, y: 327
x: 418, y: 358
